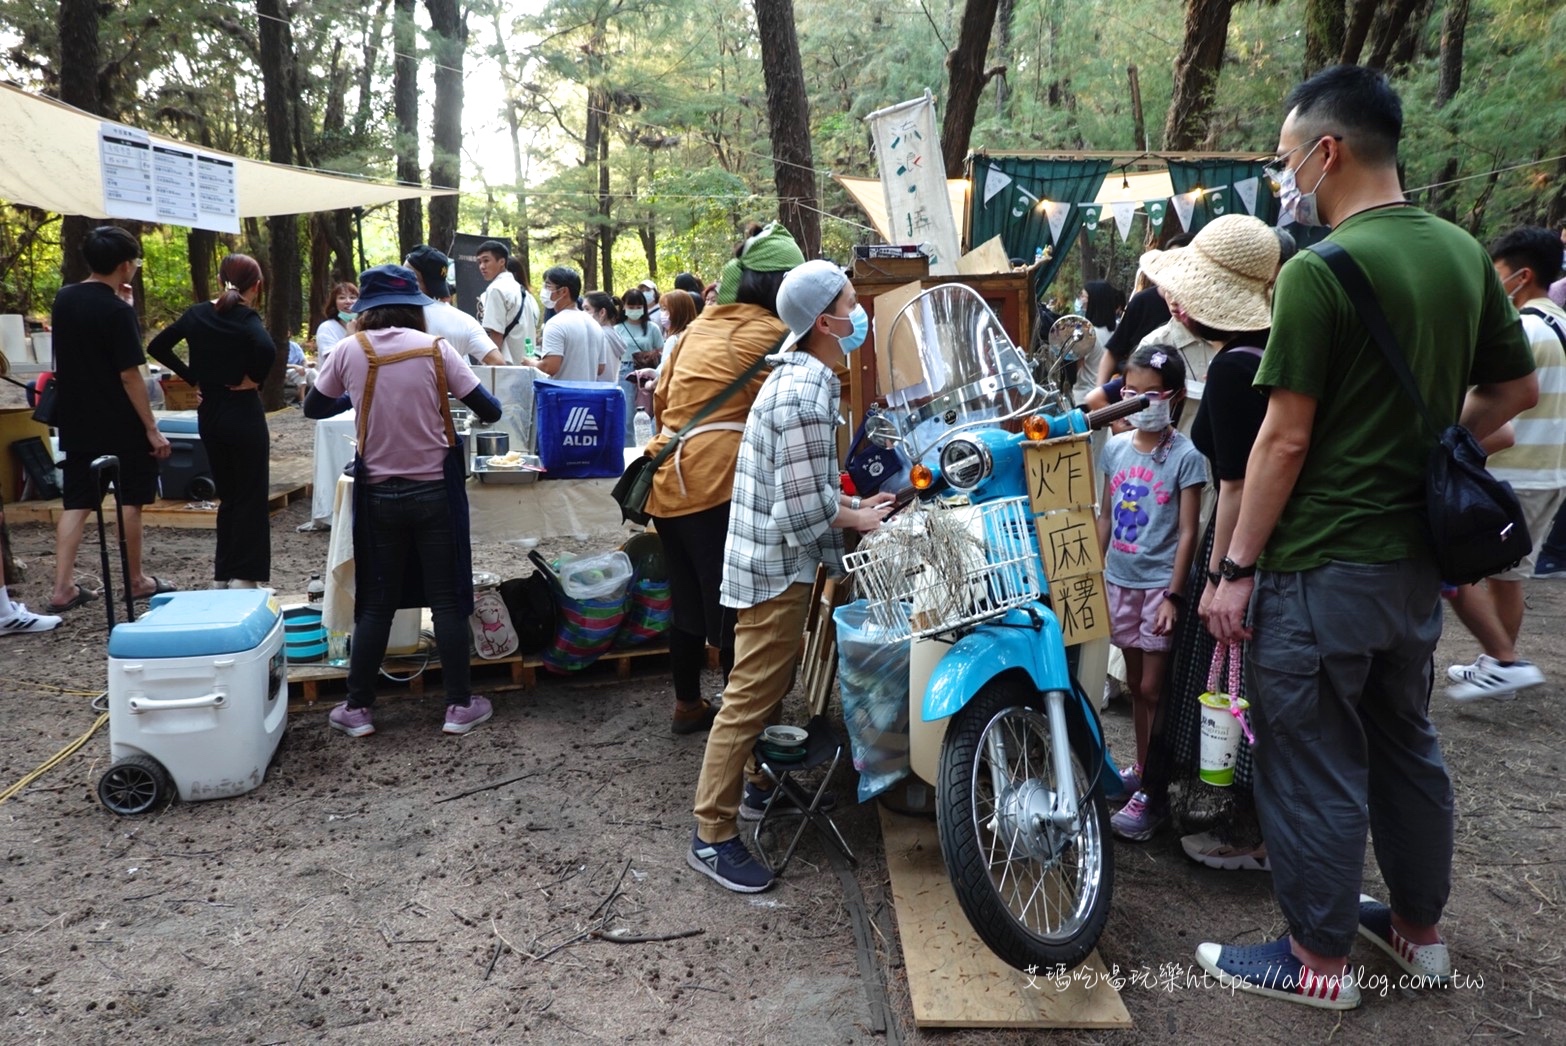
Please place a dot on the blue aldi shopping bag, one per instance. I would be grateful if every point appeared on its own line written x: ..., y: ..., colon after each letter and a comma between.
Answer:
x: 580, y: 428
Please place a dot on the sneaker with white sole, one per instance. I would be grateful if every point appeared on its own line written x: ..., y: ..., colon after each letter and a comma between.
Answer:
x: 1137, y: 820
x: 1487, y: 677
x: 754, y: 803
x: 462, y: 718
x: 729, y: 865
x: 1271, y: 969
x: 1430, y: 962
x: 1216, y: 851
x: 355, y: 722
x: 22, y: 621
x: 1131, y: 779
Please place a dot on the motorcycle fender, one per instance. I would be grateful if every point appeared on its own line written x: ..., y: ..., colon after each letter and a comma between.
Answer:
x: 986, y: 652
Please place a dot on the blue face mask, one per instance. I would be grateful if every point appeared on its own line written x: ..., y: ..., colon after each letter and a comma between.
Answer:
x: 861, y: 327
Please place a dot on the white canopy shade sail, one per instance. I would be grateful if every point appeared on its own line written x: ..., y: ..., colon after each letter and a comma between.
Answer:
x: 49, y: 158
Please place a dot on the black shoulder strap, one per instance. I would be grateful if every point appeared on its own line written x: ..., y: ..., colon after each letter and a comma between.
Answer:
x: 1358, y: 288
x: 1547, y: 318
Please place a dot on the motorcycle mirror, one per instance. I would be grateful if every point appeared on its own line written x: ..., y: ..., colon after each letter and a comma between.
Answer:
x: 1070, y: 339
x: 882, y: 431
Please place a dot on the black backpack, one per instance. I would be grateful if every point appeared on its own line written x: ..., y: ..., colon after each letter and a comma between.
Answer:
x: 531, y: 605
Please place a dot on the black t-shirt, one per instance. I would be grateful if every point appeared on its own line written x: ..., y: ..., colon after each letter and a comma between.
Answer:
x: 96, y: 338
x: 225, y: 348
x: 1232, y: 409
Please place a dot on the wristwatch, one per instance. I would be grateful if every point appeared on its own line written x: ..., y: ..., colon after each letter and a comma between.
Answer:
x: 1229, y: 570
x: 1214, y: 576
x: 854, y: 502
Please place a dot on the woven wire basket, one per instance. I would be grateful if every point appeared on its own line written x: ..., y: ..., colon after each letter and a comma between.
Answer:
x: 939, y: 569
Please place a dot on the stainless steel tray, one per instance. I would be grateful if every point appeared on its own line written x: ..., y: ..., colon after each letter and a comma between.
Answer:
x: 517, y: 476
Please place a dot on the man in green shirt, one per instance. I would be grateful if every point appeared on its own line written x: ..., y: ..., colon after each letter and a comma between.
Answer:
x: 1345, y: 612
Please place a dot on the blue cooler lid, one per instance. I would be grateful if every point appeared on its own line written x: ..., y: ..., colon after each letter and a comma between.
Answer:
x: 193, y: 624
x: 178, y: 422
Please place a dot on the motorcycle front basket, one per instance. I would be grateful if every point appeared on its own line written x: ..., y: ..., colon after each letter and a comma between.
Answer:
x: 938, y: 569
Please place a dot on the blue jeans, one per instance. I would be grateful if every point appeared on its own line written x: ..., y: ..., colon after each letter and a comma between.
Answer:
x: 407, y: 514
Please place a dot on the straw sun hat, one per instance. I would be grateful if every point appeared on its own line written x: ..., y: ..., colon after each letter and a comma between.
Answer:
x: 1223, y: 278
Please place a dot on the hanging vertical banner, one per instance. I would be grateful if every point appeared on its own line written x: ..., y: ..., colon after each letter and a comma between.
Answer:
x: 913, y: 177
x: 1090, y: 213
x: 1124, y: 211
x: 1246, y: 187
x: 1057, y: 213
x: 1218, y: 200
x: 1156, y: 209
x: 1185, y: 207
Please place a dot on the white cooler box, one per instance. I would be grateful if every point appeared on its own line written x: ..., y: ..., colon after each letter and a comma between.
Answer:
x: 197, y: 698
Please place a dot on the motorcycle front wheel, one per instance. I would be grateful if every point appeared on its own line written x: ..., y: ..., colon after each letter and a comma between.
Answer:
x: 1036, y: 890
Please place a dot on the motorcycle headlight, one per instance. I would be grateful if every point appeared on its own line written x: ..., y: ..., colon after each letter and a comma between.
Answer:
x: 965, y: 463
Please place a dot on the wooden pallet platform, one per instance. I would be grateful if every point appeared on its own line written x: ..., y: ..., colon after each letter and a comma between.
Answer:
x: 306, y: 681
x: 165, y: 512
x: 954, y: 980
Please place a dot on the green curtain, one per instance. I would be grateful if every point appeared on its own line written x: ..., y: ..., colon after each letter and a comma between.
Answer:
x: 1210, y: 174
x: 1006, y: 194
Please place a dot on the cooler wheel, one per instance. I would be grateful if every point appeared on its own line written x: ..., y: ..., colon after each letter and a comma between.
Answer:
x: 135, y: 785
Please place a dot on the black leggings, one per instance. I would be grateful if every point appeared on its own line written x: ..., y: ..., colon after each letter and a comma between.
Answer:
x: 693, y: 549
x: 234, y: 433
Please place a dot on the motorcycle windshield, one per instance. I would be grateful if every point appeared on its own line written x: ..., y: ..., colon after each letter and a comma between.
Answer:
x: 953, y: 367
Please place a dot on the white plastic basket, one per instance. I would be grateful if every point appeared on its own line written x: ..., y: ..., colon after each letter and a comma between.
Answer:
x: 938, y: 569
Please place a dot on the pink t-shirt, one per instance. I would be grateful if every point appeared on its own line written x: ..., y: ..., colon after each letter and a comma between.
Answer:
x: 406, y: 435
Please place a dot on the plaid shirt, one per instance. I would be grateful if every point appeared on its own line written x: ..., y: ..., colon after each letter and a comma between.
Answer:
x: 786, y: 487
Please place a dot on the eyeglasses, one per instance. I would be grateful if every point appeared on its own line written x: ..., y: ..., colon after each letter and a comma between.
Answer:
x: 138, y: 263
x: 1273, y: 171
x: 1131, y: 394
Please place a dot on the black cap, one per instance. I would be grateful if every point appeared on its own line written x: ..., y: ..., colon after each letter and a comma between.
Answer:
x: 433, y: 266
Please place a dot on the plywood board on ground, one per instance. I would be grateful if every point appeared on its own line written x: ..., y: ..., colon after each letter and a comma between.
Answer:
x: 954, y: 979
x: 165, y: 512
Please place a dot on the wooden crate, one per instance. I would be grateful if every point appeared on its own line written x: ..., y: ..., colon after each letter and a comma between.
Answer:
x: 178, y: 395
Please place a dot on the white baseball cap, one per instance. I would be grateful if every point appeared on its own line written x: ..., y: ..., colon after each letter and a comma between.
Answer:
x: 806, y: 292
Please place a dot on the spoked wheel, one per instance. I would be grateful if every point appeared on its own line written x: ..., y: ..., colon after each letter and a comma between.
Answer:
x: 1035, y: 884
x: 135, y: 785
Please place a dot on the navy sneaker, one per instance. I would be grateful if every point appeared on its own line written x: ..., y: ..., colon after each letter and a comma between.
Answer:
x: 729, y: 864
x: 755, y: 803
x: 1272, y: 970
x: 1548, y: 565
x: 1431, y: 963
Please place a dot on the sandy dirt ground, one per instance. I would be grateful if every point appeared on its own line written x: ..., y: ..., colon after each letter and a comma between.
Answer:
x: 357, y: 896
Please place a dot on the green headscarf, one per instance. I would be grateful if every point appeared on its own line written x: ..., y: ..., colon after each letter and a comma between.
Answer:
x: 771, y: 250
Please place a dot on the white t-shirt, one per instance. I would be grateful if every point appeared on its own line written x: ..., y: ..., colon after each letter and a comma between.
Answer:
x: 498, y: 307
x: 614, y: 349
x: 327, y: 335
x: 465, y: 333
x: 577, y: 338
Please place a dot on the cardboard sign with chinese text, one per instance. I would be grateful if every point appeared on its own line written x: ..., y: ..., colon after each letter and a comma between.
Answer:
x: 1060, y: 473
x: 1062, y: 488
x: 1081, y: 607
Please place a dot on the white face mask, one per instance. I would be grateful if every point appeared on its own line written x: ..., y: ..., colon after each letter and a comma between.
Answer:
x: 1294, y: 203
x: 634, y: 314
x: 1152, y: 418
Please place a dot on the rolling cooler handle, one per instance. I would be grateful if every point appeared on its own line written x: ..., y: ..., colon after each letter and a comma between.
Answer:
x: 110, y: 463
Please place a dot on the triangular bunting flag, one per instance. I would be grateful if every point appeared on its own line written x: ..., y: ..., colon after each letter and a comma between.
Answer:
x: 1090, y: 212
x: 1156, y: 209
x: 1124, y: 211
x: 1218, y: 200
x: 994, y: 182
x: 1246, y: 187
x: 1057, y: 219
x: 1185, y: 207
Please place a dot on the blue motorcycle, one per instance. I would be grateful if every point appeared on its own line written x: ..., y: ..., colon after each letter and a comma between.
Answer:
x: 998, y: 725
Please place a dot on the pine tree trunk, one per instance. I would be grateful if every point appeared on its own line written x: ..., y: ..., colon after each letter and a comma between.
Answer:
x: 1356, y: 30
x: 788, y: 119
x: 1004, y: 12
x: 1454, y: 30
x: 449, y: 41
x: 966, y: 80
x: 279, y: 88
x: 1386, y: 28
x: 81, y: 55
x: 518, y: 173
x: 592, y: 132
x: 200, y: 249
x: 405, y: 102
x: 1325, y: 22
x: 605, y: 223
x: 1196, y: 72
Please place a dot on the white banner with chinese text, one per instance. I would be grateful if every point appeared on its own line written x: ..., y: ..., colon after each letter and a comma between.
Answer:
x: 913, y: 176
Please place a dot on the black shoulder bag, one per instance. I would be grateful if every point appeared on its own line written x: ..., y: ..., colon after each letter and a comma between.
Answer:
x: 1475, y: 523
x: 634, y: 486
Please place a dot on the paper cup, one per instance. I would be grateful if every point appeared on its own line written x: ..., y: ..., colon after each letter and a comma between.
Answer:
x: 1221, y: 736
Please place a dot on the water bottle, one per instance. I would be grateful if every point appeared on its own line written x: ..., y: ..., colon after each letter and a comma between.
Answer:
x: 1038, y: 255
x: 643, y: 427
x: 527, y: 347
x: 315, y: 591
x: 155, y: 388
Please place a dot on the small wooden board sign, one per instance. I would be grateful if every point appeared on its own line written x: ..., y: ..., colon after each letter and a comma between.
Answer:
x: 1062, y: 488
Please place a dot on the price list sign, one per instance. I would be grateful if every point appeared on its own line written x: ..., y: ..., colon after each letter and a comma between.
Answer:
x: 1061, y: 491
x: 165, y: 182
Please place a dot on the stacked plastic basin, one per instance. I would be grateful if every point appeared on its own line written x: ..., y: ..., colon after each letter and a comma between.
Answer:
x: 304, y: 636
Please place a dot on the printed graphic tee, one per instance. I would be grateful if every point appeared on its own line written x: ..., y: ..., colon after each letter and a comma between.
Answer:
x: 1144, y: 514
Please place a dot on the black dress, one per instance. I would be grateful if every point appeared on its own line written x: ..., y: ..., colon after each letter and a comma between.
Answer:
x: 1224, y: 430
x: 225, y: 349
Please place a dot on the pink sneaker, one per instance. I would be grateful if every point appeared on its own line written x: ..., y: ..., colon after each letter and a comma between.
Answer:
x: 355, y: 722
x: 462, y: 718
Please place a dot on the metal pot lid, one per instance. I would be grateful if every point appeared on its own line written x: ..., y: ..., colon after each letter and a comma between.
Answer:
x: 485, y: 579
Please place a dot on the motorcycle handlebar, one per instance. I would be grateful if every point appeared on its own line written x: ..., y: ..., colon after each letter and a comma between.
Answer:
x: 1115, y: 411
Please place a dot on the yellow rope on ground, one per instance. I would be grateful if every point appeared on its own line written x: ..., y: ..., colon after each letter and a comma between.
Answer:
x: 29, y: 684
x: 56, y: 759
